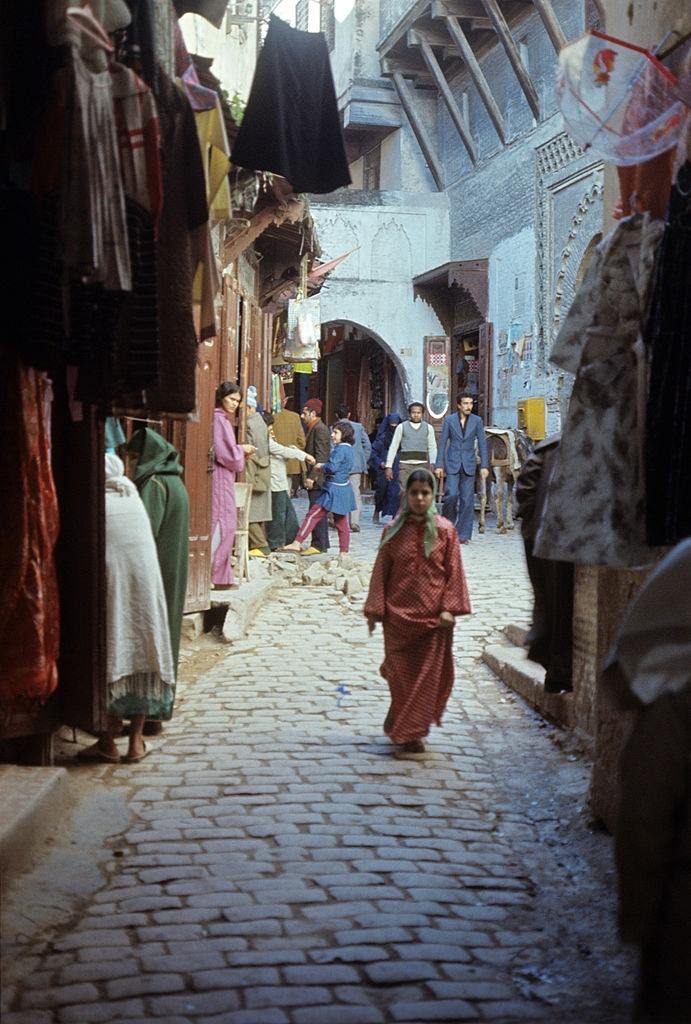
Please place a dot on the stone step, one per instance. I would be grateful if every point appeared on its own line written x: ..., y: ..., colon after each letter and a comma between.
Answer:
x: 516, y: 634
x: 243, y: 603
x: 32, y: 802
x: 526, y: 678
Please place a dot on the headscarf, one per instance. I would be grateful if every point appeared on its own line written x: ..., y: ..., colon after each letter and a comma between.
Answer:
x: 429, y: 538
x: 157, y: 457
x: 115, y: 476
x: 384, y: 435
x: 653, y: 647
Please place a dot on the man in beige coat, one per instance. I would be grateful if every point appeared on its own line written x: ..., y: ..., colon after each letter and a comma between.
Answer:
x: 289, y: 432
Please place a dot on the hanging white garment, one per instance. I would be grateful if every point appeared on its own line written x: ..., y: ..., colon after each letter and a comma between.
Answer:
x: 137, y: 634
x: 595, y: 508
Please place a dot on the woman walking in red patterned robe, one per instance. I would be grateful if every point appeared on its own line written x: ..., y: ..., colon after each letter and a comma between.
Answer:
x: 417, y: 589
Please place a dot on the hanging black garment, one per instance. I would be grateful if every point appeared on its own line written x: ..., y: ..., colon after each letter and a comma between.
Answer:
x: 212, y: 10
x: 668, y: 420
x: 291, y: 125
x: 138, y: 48
x: 180, y: 247
x: 550, y: 637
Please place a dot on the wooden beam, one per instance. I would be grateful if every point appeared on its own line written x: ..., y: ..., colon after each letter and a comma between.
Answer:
x: 549, y: 20
x: 460, y: 8
x: 476, y: 73
x: 417, y: 10
x: 419, y: 129
x: 433, y: 36
x: 392, y: 65
x: 448, y: 97
x: 481, y: 25
x: 502, y: 30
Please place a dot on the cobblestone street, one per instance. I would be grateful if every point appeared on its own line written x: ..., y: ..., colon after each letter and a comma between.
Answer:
x: 279, y: 866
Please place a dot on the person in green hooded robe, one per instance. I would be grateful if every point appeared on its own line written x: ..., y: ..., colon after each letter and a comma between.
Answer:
x: 158, y: 477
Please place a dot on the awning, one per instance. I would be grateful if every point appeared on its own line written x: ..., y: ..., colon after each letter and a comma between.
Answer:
x: 326, y: 268
x: 471, y: 275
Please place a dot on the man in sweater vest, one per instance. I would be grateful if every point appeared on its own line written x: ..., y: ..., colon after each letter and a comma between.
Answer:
x: 415, y: 443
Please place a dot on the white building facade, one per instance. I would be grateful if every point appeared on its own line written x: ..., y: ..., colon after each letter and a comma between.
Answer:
x: 520, y: 206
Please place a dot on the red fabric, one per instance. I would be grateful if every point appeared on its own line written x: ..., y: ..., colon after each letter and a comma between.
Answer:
x: 645, y: 187
x: 407, y: 593
x: 29, y: 612
x: 317, y: 512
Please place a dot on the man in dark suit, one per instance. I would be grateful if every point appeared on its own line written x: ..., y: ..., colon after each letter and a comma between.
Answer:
x: 317, y: 444
x: 456, y: 462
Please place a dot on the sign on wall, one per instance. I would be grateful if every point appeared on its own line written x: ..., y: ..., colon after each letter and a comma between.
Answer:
x: 437, y: 367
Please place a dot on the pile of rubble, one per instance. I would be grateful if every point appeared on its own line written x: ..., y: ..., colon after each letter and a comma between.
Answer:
x: 341, y: 573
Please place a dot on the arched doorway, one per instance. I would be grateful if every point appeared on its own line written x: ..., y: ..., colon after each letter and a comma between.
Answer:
x: 357, y: 368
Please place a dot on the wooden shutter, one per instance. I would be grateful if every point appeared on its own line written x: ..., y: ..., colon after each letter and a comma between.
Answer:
x: 198, y: 463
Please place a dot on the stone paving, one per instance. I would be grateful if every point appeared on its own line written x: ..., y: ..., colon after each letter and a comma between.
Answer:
x: 280, y: 866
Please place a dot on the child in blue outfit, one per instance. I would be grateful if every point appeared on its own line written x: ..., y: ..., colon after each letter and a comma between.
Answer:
x: 337, y: 496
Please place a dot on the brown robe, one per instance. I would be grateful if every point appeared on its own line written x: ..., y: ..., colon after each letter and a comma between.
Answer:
x: 653, y: 855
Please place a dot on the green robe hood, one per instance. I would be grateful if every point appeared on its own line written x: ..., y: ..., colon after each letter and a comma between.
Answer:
x: 156, y: 456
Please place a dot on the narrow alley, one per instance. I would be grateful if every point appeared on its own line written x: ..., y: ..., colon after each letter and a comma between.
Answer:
x: 271, y: 862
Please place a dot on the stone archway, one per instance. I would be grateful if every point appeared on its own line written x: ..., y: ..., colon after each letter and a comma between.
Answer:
x: 375, y: 336
x: 362, y: 370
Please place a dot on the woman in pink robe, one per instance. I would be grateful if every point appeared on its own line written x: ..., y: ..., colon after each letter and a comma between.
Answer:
x: 229, y: 459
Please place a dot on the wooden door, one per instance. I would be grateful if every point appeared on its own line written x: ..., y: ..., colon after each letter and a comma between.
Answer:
x: 245, y: 363
x: 257, y: 359
x: 268, y: 335
x: 229, y: 339
x: 484, y: 400
x: 198, y: 462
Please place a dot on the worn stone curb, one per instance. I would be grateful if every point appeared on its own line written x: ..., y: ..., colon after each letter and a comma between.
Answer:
x: 512, y: 666
x: 32, y: 801
x: 243, y: 606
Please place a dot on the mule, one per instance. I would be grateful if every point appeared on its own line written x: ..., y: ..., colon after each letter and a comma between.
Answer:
x: 508, y: 448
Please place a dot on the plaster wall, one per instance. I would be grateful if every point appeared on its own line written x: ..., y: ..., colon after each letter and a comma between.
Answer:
x: 397, y: 235
x: 414, y: 172
x: 342, y: 53
x: 357, y: 31
x: 512, y: 305
x: 390, y: 166
x: 234, y: 53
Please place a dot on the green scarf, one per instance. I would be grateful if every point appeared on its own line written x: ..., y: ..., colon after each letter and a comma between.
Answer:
x: 156, y: 456
x: 430, y: 535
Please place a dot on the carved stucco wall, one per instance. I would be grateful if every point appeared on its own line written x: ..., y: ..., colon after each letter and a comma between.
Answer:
x: 397, y: 238
x: 569, y: 188
x: 391, y: 253
x: 534, y: 274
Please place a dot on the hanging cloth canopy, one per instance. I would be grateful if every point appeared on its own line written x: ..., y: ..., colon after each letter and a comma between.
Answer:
x: 326, y: 268
x: 618, y: 99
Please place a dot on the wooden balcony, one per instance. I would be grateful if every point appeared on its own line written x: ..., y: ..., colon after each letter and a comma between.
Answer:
x: 432, y: 43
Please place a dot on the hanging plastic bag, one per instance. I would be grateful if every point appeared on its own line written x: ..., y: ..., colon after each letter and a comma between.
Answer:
x: 304, y: 329
x: 618, y: 99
